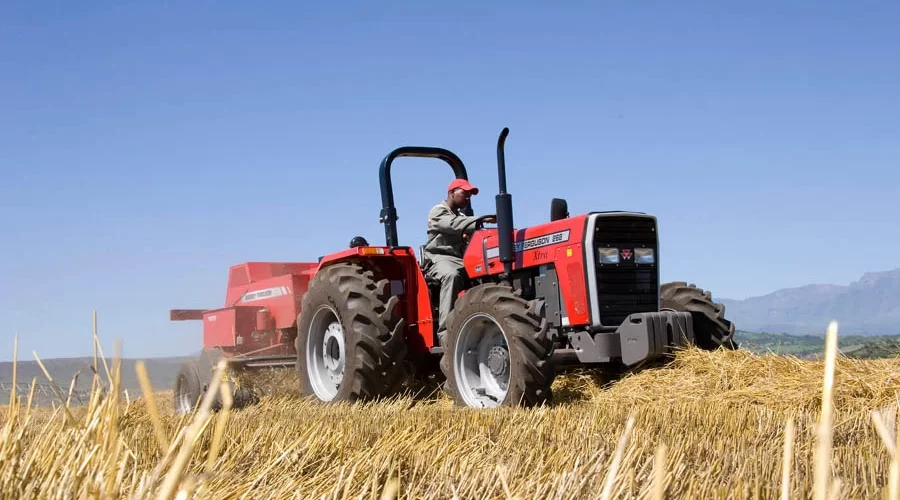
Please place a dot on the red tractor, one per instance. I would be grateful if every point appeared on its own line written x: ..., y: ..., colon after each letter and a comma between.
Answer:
x: 578, y: 290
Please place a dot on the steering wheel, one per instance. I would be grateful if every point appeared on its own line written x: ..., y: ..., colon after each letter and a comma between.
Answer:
x: 479, y: 224
x: 479, y: 221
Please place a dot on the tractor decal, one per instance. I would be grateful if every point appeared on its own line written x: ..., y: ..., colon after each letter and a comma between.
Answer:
x: 532, y: 243
x: 266, y: 293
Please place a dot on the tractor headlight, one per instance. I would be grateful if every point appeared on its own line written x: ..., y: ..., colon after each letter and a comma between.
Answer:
x: 609, y: 255
x: 644, y: 256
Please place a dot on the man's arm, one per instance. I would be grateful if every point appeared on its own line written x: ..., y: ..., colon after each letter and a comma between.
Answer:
x: 443, y: 220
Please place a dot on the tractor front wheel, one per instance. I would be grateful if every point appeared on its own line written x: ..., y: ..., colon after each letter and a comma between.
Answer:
x: 350, y: 342
x: 497, y: 351
x: 711, y: 329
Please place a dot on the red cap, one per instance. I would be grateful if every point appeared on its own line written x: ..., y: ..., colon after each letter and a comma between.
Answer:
x: 462, y: 184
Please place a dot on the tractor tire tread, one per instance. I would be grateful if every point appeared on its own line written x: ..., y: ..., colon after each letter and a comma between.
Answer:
x: 711, y: 329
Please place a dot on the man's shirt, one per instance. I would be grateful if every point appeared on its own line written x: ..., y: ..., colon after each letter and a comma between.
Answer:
x: 445, y: 231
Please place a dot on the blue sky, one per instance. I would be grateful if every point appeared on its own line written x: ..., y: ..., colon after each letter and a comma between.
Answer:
x: 144, y: 148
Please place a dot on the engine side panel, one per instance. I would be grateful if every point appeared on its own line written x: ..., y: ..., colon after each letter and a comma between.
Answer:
x: 557, y: 244
x: 533, y: 246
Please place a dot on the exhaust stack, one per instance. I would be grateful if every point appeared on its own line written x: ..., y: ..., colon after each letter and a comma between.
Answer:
x: 504, y: 211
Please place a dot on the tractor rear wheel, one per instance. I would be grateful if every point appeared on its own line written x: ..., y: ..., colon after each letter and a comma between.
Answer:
x: 497, y: 351
x: 350, y: 342
x: 711, y: 329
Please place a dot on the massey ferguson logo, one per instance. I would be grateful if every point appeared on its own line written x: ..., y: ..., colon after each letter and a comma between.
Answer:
x: 626, y: 254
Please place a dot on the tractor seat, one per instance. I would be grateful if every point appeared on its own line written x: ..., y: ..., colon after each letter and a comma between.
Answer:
x: 431, y: 282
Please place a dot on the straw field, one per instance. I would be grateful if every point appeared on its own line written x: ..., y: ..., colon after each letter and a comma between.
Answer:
x: 727, y: 424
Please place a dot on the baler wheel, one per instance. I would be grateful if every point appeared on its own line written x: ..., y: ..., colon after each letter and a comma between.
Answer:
x: 194, y: 378
x: 188, y: 387
x: 711, y: 329
x: 497, y: 350
x: 350, y: 341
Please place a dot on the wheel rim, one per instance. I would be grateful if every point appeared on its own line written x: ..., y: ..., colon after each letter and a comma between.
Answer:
x: 183, y: 402
x: 481, y: 362
x: 325, y: 353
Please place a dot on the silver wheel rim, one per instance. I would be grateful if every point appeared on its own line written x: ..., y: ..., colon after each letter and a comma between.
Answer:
x: 183, y: 402
x: 325, y: 353
x: 481, y: 362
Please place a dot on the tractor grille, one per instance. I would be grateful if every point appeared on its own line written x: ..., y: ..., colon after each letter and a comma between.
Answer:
x: 626, y: 288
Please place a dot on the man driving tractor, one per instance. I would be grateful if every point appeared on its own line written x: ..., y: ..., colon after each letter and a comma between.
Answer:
x: 443, y: 252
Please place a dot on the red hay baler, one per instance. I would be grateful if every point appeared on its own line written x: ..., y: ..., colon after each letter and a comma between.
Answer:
x: 576, y: 291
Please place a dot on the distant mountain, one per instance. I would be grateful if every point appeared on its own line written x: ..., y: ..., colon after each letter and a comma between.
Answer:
x: 870, y: 306
x: 161, y: 371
